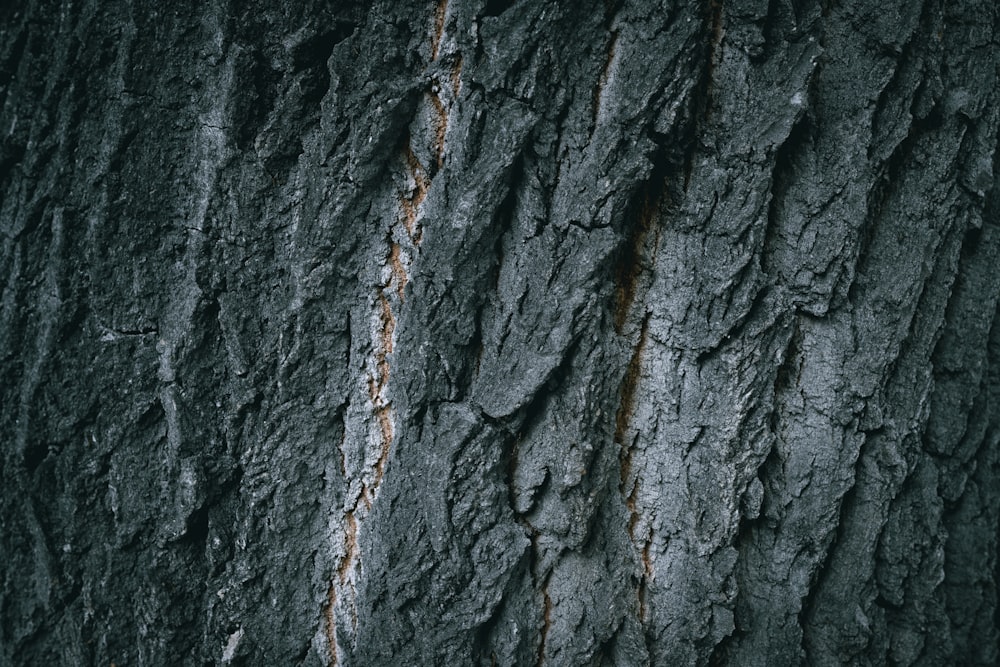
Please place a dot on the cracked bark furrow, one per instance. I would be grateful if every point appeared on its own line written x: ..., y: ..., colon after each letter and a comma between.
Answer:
x: 410, y: 202
x: 629, y: 482
x: 546, y: 621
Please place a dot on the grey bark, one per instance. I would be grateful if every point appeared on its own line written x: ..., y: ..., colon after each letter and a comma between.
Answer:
x: 499, y: 333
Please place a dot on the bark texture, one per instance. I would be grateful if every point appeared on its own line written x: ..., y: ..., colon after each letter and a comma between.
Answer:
x: 499, y: 333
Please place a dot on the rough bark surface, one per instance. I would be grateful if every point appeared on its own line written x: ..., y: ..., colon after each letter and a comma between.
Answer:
x: 499, y: 333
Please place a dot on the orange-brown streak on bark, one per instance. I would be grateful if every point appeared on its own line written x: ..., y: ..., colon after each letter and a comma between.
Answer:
x: 626, y: 408
x: 383, y: 412
x: 440, y: 127
x: 602, y: 80
x: 631, y: 262
x: 647, y: 572
x: 419, y: 177
x: 384, y: 415
x: 627, y: 405
x: 410, y: 203
x: 398, y: 272
x: 331, y: 626
x: 439, y: 15
x: 409, y: 216
x: 350, y: 546
x: 546, y: 619
x: 343, y: 570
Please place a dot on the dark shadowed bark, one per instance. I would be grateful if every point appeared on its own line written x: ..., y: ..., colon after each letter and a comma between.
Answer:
x: 484, y: 332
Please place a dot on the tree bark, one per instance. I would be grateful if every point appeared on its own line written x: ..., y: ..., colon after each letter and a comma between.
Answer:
x: 483, y: 332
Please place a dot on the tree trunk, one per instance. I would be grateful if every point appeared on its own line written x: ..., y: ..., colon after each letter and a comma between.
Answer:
x: 499, y: 333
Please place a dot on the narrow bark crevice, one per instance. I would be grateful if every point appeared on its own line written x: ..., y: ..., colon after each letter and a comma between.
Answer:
x: 715, y: 29
x: 626, y: 406
x: 546, y: 624
x: 784, y: 173
x: 437, y: 32
x: 699, y: 104
x: 635, y: 257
